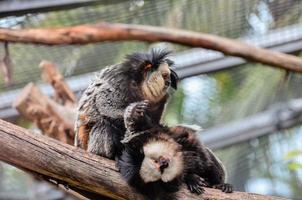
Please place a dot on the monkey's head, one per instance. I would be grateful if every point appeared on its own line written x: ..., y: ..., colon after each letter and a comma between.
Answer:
x: 152, y: 72
x: 163, y: 161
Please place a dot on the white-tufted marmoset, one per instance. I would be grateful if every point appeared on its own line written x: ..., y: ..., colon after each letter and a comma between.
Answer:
x: 158, y: 159
x: 142, y: 76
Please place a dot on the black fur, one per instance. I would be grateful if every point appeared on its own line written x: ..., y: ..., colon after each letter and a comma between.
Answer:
x: 203, y: 169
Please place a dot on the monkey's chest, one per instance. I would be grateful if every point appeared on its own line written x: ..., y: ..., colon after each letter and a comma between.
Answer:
x: 115, y: 125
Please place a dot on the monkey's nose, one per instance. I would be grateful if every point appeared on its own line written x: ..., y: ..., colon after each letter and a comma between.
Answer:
x: 163, y: 163
x: 166, y: 75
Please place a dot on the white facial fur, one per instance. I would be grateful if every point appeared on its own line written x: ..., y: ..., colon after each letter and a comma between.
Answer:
x: 155, y: 89
x: 153, y: 150
x: 163, y: 68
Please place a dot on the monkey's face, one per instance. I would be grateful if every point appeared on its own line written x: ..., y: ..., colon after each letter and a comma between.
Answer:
x: 152, y: 72
x: 157, y: 80
x: 163, y: 161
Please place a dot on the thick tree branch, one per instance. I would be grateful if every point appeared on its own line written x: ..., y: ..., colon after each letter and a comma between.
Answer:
x: 80, y: 169
x: 85, y: 34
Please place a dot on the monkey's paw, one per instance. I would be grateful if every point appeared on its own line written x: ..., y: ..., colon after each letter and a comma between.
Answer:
x: 224, y: 187
x: 134, y: 114
x: 137, y: 110
x: 195, y: 184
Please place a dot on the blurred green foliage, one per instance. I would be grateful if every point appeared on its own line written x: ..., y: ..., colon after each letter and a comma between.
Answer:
x: 291, y: 157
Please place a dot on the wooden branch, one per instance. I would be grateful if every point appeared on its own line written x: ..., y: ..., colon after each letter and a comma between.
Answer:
x: 85, y: 34
x: 51, y: 75
x: 53, y: 119
x: 80, y: 169
x: 6, y: 66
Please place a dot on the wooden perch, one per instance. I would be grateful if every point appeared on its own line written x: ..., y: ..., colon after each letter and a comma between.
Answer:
x: 79, y: 169
x: 53, y: 119
x: 85, y: 34
x: 51, y: 75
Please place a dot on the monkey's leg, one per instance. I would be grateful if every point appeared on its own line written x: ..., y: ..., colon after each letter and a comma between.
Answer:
x: 216, y: 174
x: 82, y: 130
x: 101, y: 140
x: 195, y: 183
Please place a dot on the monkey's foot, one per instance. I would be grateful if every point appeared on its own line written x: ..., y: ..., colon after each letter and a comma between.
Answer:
x: 224, y: 187
x: 195, y: 184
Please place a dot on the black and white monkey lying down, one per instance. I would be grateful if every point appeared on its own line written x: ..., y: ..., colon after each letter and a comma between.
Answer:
x: 157, y: 159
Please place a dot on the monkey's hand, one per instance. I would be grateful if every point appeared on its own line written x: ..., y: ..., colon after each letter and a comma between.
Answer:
x: 195, y: 183
x: 134, y: 114
x: 136, y: 120
x: 183, y: 136
x: 224, y: 187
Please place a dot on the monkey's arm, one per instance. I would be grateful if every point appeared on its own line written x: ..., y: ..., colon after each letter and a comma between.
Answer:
x: 102, y: 99
x: 106, y: 105
x: 98, y: 101
x: 185, y: 136
x: 156, y: 111
x: 129, y: 164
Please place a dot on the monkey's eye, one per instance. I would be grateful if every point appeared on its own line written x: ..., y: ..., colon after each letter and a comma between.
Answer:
x: 148, y: 67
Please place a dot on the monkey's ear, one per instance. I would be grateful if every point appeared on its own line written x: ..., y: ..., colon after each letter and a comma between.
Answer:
x: 147, y: 66
x: 174, y: 79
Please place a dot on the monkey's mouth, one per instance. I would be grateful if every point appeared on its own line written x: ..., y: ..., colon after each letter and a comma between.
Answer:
x: 167, y: 84
x: 156, y: 87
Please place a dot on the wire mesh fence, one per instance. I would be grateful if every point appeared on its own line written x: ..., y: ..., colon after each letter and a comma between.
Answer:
x: 207, y: 100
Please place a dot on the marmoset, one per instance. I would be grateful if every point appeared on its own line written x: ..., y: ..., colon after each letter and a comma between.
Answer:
x: 157, y: 160
x: 142, y: 76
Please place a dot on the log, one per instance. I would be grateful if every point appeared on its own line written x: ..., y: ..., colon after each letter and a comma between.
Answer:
x: 80, y: 169
x: 53, y: 119
x: 51, y: 75
x: 84, y: 34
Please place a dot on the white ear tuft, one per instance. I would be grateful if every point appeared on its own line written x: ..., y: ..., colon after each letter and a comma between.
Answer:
x: 191, y: 126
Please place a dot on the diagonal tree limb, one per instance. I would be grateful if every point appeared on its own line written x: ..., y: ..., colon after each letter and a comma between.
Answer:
x: 79, y: 169
x: 84, y: 34
x: 51, y: 75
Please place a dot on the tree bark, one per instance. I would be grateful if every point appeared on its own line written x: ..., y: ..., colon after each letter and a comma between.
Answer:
x: 79, y: 169
x: 85, y: 34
